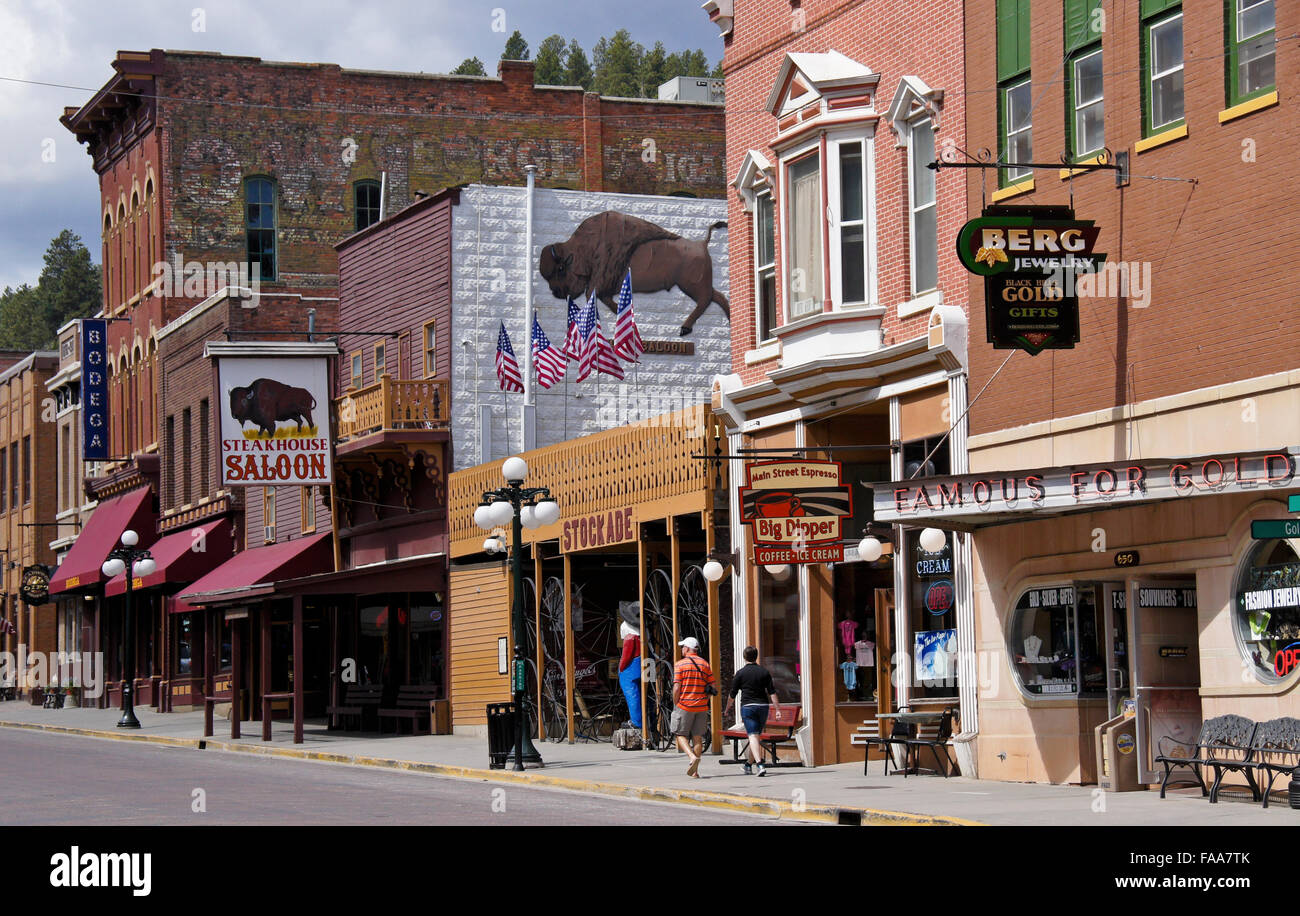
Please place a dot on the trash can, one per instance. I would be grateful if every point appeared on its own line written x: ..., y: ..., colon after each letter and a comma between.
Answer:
x: 501, y: 733
x: 1117, y: 763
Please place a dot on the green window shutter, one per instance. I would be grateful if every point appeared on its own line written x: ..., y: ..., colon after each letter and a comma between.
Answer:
x: 1079, y: 23
x: 1013, y: 37
x: 1151, y: 7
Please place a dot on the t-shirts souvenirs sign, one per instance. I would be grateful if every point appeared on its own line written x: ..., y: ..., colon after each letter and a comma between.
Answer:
x: 274, y: 420
x: 796, y: 509
x: 1030, y: 259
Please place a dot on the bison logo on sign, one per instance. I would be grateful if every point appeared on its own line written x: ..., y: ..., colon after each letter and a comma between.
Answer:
x: 605, y: 246
x: 266, y: 402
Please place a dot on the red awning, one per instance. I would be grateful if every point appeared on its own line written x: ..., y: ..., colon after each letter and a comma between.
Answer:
x: 251, y: 573
x: 81, y: 567
x: 183, y: 556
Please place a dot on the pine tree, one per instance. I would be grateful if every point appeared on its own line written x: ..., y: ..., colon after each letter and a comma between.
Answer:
x: 717, y: 71
x: 577, y: 71
x: 516, y: 48
x: 470, y: 66
x: 550, y: 62
x: 69, y: 287
x: 696, y: 63
x: 616, y: 73
x: 653, y: 71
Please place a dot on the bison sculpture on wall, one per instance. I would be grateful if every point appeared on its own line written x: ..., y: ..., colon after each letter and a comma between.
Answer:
x: 605, y: 246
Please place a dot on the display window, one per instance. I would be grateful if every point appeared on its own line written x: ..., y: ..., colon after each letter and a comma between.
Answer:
x: 932, y: 612
x: 1057, y: 642
x: 183, y: 633
x: 778, y: 612
x: 856, y: 647
x: 1267, y: 616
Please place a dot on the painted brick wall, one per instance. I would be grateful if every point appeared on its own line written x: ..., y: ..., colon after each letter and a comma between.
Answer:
x: 894, y: 38
x: 487, y: 284
x: 1222, y: 303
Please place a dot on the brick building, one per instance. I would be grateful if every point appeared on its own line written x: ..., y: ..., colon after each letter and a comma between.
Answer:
x: 848, y: 336
x: 1126, y: 575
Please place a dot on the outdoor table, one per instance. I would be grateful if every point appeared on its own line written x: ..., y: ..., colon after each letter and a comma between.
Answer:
x: 267, y: 699
x: 913, y: 718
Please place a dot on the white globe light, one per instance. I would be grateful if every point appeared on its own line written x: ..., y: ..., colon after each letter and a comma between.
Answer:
x: 548, y: 512
x: 778, y: 572
x: 145, y: 567
x: 528, y: 517
x: 502, y: 513
x: 933, y: 539
x: 130, y: 538
x: 713, y: 570
x: 514, y: 469
x: 870, y: 549
x: 113, y: 567
x: 482, y: 518
x: 490, y: 545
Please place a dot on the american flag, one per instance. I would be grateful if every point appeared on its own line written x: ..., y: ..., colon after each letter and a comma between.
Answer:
x: 507, y: 367
x: 549, y: 361
x: 573, y: 339
x: 627, y: 339
x: 596, y: 349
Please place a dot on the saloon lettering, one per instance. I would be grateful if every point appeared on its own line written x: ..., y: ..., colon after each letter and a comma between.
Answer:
x: 599, y: 530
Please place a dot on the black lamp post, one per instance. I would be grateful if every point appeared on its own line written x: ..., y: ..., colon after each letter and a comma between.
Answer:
x: 134, y: 562
x: 518, y: 506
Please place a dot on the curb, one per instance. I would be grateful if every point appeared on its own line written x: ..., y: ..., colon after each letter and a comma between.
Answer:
x: 786, y: 810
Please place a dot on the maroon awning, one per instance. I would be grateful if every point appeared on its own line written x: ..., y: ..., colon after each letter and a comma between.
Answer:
x: 81, y: 567
x: 183, y: 556
x: 252, y: 573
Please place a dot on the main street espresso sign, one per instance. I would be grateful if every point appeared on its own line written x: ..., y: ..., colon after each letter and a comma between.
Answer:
x: 1093, y: 486
x: 796, y: 509
x: 1029, y: 258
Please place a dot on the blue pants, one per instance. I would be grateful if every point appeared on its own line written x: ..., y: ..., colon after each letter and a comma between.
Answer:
x: 630, y: 680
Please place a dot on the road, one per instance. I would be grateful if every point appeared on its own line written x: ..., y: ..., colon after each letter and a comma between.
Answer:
x: 58, y: 780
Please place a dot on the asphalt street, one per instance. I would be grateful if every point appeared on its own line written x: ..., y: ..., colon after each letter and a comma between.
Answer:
x: 75, y: 781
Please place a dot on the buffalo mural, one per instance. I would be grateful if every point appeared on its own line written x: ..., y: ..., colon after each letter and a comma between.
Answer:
x: 605, y: 246
x: 266, y: 402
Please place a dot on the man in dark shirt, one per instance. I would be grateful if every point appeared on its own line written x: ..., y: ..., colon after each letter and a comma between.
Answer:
x: 754, y: 684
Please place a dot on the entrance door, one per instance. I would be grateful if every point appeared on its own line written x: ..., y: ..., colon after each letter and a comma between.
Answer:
x: 1118, y: 675
x: 1166, y: 665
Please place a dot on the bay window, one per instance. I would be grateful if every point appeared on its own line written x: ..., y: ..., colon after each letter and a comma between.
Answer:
x: 764, y: 268
x: 805, y: 237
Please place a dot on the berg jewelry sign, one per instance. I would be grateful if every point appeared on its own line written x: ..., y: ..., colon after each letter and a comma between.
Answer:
x: 1029, y: 258
x: 796, y: 510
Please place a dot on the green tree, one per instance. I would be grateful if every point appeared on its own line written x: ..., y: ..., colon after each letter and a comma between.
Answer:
x: 617, y: 69
x: 516, y: 48
x: 654, y: 71
x: 550, y: 69
x: 696, y: 63
x: 577, y: 71
x: 22, y: 326
x: 717, y: 71
x: 69, y: 287
x: 470, y: 66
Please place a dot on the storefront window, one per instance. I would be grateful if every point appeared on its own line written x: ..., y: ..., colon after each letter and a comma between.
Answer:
x: 373, y: 650
x: 183, y: 654
x: 1268, y: 609
x: 856, y: 649
x: 224, y: 662
x: 428, y: 624
x: 932, y: 604
x: 1057, y: 642
x: 779, y: 619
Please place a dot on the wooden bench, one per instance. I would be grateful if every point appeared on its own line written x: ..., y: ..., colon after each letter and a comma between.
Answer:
x: 1225, y: 744
x: 358, y: 699
x: 782, y: 720
x: 414, y: 702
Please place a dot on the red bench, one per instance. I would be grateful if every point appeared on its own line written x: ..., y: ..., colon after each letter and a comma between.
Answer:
x: 782, y: 720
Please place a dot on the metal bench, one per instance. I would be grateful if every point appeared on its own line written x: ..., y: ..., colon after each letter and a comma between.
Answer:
x: 1225, y: 744
x: 358, y: 700
x: 782, y: 721
x: 414, y: 702
x: 1275, y: 752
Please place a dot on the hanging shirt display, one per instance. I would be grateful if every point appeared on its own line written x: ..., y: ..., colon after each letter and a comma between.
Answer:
x: 848, y: 630
x: 850, y: 675
x: 865, y: 653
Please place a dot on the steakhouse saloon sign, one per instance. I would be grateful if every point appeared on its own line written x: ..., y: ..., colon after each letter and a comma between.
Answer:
x: 1083, y: 487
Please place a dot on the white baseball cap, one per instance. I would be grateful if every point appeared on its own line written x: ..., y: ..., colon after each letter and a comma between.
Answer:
x: 690, y: 642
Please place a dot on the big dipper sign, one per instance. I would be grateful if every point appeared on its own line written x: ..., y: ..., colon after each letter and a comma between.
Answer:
x: 1029, y: 258
x: 796, y: 510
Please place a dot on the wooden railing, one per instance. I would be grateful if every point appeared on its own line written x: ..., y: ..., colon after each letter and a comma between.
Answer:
x: 393, y: 404
x: 632, y: 465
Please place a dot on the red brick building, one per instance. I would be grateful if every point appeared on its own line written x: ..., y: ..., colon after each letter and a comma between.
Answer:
x: 848, y: 332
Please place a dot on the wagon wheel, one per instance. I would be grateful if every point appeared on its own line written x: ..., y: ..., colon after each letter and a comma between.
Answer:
x: 530, y: 654
x: 553, y: 711
x: 693, y: 608
x: 657, y: 647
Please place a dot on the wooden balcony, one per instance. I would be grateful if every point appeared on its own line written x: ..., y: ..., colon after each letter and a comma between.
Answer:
x: 393, y: 411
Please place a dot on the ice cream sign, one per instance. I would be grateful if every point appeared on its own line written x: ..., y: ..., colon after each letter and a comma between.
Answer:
x: 796, y: 509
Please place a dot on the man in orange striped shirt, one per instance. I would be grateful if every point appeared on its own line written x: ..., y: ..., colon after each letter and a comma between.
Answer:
x: 692, y: 678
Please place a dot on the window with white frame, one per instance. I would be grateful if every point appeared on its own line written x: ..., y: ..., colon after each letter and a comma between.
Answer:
x: 764, y: 268
x: 804, y: 239
x: 1164, y: 73
x: 1018, y: 130
x: 848, y: 224
x: 924, y: 219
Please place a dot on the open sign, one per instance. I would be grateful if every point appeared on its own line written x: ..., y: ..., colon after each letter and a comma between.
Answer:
x: 1286, y: 659
x: 939, y: 597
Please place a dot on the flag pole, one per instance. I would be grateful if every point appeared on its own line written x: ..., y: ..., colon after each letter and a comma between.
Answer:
x: 528, y: 428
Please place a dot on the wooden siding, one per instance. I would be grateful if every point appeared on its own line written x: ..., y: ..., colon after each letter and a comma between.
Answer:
x: 479, y: 602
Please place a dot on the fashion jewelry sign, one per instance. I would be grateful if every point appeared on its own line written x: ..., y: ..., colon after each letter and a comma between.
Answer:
x: 796, y: 510
x: 1085, y: 487
x: 274, y: 414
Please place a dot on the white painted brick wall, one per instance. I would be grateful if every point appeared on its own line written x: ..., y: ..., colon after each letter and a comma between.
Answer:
x: 487, y: 288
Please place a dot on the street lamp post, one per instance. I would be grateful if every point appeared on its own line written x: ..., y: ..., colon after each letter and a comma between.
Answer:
x: 521, y: 507
x: 134, y: 562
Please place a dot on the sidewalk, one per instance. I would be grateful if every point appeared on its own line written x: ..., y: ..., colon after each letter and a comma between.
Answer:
x: 834, y: 794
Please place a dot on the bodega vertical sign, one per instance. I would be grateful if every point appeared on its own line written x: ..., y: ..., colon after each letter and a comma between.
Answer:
x: 94, y: 389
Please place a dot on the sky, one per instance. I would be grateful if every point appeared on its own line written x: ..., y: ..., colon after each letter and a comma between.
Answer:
x: 47, y: 183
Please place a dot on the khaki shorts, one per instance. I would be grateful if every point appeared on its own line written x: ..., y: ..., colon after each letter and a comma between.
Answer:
x: 689, y: 723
